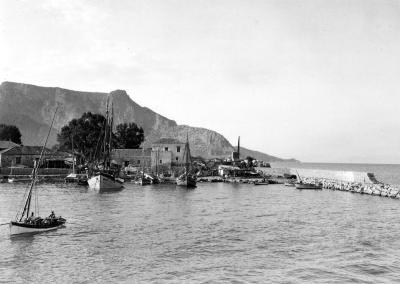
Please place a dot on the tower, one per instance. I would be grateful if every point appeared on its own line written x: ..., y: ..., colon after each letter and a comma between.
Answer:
x: 238, y: 148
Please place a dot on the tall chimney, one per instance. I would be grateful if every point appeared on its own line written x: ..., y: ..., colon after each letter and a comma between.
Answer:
x: 238, y: 147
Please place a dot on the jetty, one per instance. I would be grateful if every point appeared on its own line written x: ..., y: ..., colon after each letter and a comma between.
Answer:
x: 350, y: 181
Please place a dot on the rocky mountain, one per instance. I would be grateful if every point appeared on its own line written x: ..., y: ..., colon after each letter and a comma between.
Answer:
x: 31, y: 108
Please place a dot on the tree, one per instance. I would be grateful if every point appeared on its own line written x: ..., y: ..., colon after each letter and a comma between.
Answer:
x: 84, y: 136
x: 10, y: 133
x: 129, y: 135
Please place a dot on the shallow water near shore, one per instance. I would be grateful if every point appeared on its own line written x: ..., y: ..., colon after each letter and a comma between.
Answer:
x: 220, y: 232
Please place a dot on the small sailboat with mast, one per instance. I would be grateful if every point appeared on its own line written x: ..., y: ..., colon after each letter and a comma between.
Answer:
x: 27, y: 219
x: 188, y: 178
x: 103, y: 177
x: 143, y: 179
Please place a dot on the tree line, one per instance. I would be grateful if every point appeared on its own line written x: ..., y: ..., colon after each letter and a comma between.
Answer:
x: 84, y: 135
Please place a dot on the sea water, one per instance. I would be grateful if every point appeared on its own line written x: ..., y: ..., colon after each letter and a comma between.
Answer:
x: 216, y: 233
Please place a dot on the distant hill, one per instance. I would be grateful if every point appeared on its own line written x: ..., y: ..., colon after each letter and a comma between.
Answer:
x: 31, y: 107
x: 262, y: 156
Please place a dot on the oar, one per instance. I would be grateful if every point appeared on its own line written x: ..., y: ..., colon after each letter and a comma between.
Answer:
x: 5, y: 224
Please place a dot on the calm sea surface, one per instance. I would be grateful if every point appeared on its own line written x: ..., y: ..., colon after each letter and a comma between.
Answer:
x: 216, y: 233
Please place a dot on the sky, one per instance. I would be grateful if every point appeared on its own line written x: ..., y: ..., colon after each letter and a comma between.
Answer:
x: 309, y: 79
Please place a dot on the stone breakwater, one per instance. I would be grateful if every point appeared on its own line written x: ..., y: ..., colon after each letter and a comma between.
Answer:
x: 346, y: 176
x: 350, y: 181
x: 379, y: 189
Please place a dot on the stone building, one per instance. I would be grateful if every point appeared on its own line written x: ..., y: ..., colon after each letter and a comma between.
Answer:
x: 132, y: 157
x: 167, y: 152
x: 26, y: 155
x: 161, y: 157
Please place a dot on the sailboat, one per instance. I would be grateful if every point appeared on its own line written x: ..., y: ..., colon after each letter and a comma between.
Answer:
x: 80, y: 179
x: 306, y: 185
x: 104, y: 179
x: 187, y: 179
x: 144, y: 179
x: 25, y: 220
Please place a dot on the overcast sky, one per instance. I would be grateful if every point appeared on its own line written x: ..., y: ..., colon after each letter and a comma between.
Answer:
x: 315, y: 80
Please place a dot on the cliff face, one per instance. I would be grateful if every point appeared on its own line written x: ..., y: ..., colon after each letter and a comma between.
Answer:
x: 31, y: 109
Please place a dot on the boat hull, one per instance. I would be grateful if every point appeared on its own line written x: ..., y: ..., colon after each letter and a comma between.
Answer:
x: 101, y: 183
x: 308, y: 186
x: 189, y: 183
x: 261, y: 183
x: 17, y: 228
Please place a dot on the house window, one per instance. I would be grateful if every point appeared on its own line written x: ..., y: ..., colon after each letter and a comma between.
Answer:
x: 126, y: 163
x: 176, y: 158
x: 18, y: 160
x: 160, y: 161
x: 138, y: 161
x: 178, y: 149
x: 166, y: 148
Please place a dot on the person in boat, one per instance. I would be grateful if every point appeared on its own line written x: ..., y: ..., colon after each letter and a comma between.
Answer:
x: 52, y: 215
x: 30, y: 218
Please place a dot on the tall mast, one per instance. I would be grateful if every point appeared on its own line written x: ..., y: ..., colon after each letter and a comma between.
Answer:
x: 105, y: 135
x: 187, y: 150
x: 157, y: 162
x: 142, y: 162
x: 110, y: 129
x: 73, y: 154
x: 27, y: 206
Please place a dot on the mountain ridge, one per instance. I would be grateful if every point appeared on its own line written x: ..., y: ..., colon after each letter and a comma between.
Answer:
x: 30, y: 107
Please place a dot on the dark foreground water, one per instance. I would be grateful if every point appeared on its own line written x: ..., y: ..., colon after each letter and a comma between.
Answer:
x: 217, y: 233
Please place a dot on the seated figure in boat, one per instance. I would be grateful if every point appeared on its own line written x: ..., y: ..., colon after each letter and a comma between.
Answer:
x: 30, y: 218
x: 52, y: 215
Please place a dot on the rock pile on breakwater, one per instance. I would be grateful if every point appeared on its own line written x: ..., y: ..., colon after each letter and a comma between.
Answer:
x: 377, y: 189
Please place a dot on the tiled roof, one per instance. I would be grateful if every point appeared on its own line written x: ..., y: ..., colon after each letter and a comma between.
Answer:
x: 168, y: 141
x: 7, y: 144
x: 132, y: 152
x: 26, y: 150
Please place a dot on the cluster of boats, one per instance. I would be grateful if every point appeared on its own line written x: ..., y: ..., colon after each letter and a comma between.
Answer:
x: 101, y: 178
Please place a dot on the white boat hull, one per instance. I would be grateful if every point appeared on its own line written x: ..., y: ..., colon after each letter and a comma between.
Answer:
x: 101, y: 183
x: 17, y: 230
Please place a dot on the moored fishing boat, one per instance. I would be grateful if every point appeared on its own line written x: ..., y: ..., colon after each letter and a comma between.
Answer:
x: 144, y: 179
x: 307, y: 185
x: 188, y: 179
x: 103, y: 178
x: 104, y: 182
x: 25, y: 220
x: 300, y: 184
